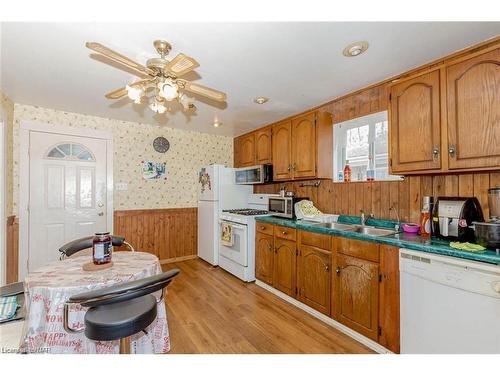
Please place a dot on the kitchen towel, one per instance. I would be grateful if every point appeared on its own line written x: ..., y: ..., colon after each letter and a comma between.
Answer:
x: 467, y: 246
x: 226, y: 236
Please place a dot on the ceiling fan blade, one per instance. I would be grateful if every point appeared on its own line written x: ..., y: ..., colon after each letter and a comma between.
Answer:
x: 97, y: 47
x: 122, y: 91
x: 181, y: 64
x: 203, y: 90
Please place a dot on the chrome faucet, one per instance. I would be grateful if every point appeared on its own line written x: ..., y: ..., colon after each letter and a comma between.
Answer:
x: 364, y: 218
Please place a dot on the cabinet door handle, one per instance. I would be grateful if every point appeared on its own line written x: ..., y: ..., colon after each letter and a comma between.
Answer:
x: 452, y: 150
x: 338, y: 270
x: 294, y: 167
x: 435, y: 152
x: 289, y: 167
x: 262, y: 227
x: 269, y: 247
x: 284, y: 232
x: 327, y: 268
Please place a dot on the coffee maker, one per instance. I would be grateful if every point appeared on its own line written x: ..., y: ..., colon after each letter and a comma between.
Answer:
x: 453, y: 216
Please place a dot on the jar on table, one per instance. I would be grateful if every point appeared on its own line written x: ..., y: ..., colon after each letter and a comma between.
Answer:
x: 102, y: 248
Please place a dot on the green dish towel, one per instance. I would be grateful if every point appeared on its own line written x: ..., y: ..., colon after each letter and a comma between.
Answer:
x: 467, y: 246
x: 8, y: 308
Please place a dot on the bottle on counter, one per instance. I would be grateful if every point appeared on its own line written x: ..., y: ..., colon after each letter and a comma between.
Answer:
x: 347, y: 172
x: 102, y: 248
x: 425, y: 217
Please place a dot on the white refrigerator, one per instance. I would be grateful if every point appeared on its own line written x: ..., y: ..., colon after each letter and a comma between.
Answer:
x: 217, y: 191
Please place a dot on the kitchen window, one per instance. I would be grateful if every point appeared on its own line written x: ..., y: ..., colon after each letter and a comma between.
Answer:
x: 364, y: 143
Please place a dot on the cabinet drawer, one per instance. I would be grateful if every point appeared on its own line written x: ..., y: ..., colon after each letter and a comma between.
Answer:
x: 359, y: 249
x: 264, y: 228
x: 319, y: 240
x: 285, y: 233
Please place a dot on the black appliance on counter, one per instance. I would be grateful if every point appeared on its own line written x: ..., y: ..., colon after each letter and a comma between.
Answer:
x: 452, y: 218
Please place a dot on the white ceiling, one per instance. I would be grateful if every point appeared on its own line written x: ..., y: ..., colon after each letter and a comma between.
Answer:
x: 297, y: 65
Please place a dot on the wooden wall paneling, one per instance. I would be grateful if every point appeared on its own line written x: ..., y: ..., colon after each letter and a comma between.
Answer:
x: 358, y: 198
x: 393, y: 201
x: 438, y: 186
x: 326, y: 197
x: 12, y: 250
x: 376, y: 200
x: 466, y: 185
x: 385, y: 199
x: 481, y: 186
x: 494, y: 179
x: 415, y: 198
x: 451, y: 185
x: 426, y: 184
x: 404, y: 200
x: 170, y: 234
x: 367, y: 197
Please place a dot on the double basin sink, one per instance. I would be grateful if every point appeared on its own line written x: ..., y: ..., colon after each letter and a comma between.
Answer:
x: 363, y: 229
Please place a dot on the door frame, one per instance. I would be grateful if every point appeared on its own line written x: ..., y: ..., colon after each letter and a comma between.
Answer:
x: 3, y: 203
x: 26, y: 127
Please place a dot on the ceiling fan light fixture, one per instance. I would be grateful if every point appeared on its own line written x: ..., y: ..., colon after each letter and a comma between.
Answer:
x: 135, y: 93
x: 168, y: 90
x: 260, y: 100
x: 186, y: 102
x: 217, y: 123
x: 355, y: 49
x: 158, y: 107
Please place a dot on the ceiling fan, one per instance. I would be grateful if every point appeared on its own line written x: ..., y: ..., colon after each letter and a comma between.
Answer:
x: 159, y: 76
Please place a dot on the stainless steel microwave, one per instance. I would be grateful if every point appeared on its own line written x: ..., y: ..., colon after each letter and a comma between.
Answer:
x: 283, y: 206
x: 257, y: 174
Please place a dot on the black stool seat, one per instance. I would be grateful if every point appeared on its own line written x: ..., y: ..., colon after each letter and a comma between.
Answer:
x: 121, y: 319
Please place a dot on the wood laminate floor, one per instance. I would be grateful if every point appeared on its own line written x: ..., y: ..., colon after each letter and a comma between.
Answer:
x: 211, y: 311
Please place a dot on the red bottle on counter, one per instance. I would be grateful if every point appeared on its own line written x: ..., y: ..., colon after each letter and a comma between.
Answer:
x: 425, y: 217
x: 102, y: 248
x: 347, y: 172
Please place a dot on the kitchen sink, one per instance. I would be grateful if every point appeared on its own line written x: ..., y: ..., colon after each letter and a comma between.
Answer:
x: 368, y: 230
x: 339, y: 226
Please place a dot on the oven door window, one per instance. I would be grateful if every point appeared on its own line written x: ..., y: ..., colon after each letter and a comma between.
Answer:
x: 238, y: 252
x: 277, y: 205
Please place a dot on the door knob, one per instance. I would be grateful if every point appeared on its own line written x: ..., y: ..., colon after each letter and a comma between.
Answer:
x: 101, y: 213
x: 100, y: 204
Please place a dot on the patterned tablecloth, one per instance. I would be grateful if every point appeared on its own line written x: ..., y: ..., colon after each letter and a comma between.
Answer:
x: 49, y: 287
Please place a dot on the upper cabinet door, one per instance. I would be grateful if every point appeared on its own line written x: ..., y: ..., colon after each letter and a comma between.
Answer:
x: 282, y: 151
x: 263, y: 153
x: 415, y: 124
x: 247, y: 150
x: 304, y: 146
x: 474, y: 112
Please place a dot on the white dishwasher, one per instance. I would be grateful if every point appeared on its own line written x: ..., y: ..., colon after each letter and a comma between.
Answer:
x: 448, y: 305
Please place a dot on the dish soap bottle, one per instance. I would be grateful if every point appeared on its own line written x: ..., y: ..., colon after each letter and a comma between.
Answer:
x: 347, y: 172
x: 425, y: 217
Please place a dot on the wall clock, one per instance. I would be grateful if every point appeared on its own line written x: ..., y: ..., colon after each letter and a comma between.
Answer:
x: 161, y: 144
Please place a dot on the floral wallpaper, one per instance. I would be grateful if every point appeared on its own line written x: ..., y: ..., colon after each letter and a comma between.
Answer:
x: 7, y: 116
x: 132, y: 143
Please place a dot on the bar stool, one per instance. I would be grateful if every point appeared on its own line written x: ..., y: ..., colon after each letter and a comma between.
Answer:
x: 120, y: 311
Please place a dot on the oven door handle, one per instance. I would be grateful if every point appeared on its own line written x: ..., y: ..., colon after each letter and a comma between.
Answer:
x: 233, y: 224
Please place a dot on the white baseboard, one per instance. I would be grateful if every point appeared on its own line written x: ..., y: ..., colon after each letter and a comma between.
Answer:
x: 375, y: 346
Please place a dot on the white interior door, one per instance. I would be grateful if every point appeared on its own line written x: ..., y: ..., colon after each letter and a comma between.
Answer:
x: 67, y: 192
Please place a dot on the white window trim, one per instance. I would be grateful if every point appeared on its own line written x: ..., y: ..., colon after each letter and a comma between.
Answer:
x: 342, y: 139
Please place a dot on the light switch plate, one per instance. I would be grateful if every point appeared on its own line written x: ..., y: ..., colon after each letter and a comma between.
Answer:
x: 121, y: 186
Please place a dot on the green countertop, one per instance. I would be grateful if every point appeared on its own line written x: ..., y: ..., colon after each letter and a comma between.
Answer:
x: 403, y: 240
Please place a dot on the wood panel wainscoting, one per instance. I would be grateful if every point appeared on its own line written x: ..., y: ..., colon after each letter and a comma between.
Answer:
x: 12, y: 268
x: 169, y: 233
x: 377, y: 197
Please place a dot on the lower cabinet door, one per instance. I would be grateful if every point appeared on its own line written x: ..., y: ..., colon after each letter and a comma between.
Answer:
x: 264, y: 257
x: 356, y: 290
x: 313, y: 270
x: 285, y: 266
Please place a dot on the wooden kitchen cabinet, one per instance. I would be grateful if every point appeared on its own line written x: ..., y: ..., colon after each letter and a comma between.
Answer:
x: 356, y: 293
x: 264, y: 257
x: 473, y: 108
x: 263, y: 146
x: 389, y: 298
x: 313, y: 278
x: 246, y: 157
x: 282, y: 151
x: 303, y: 147
x: 415, y: 124
x: 285, y: 266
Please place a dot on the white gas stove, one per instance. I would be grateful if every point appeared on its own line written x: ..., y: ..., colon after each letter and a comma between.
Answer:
x: 239, y: 258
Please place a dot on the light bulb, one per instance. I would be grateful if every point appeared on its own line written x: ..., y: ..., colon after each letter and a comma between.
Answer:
x: 187, y: 102
x: 135, y: 93
x: 168, y: 89
x: 157, y: 107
